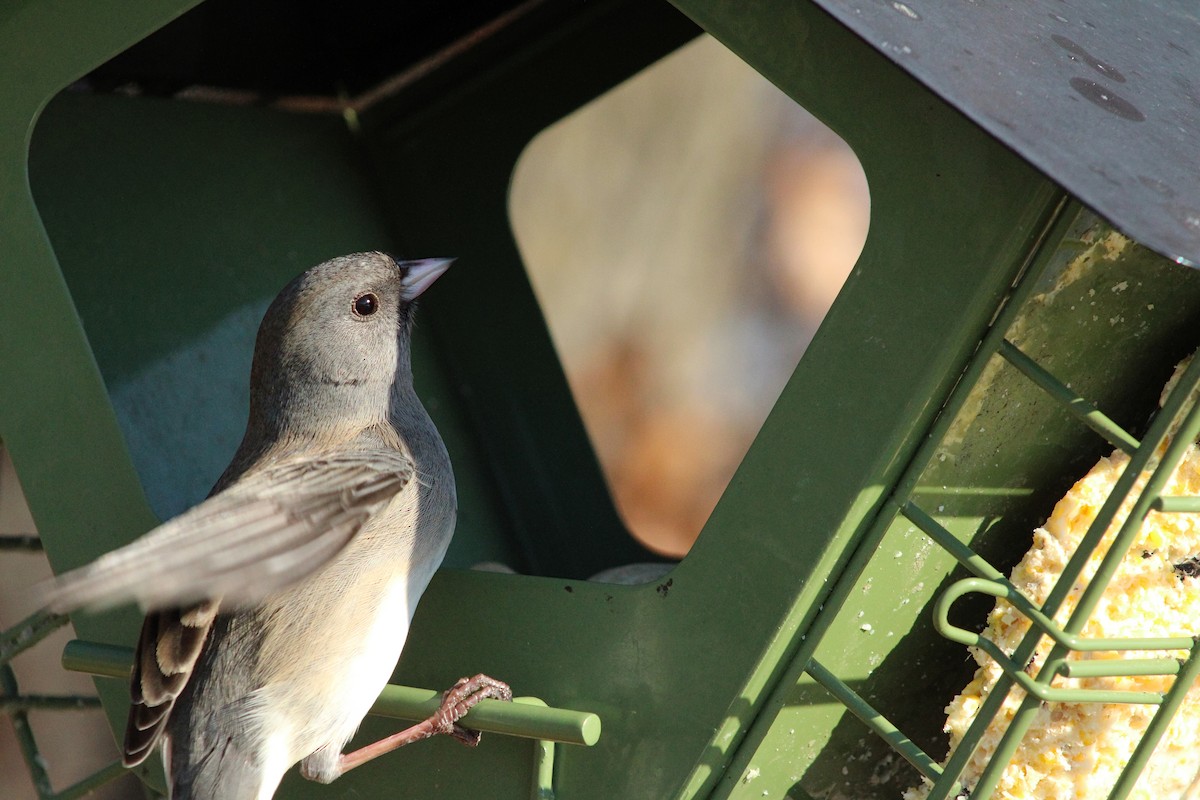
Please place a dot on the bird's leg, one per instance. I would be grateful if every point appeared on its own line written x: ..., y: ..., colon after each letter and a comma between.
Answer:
x: 456, y: 702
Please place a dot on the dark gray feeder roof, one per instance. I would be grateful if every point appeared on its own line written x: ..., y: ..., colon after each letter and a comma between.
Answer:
x: 1103, y: 97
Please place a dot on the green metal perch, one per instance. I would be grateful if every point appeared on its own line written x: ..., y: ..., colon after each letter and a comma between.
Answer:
x: 527, y: 717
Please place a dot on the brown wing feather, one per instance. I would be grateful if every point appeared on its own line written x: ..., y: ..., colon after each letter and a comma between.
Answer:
x: 170, y: 643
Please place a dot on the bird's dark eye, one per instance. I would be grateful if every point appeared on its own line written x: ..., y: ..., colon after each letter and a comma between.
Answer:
x: 366, y: 304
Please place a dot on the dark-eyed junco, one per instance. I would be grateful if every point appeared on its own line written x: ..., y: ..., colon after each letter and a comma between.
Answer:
x: 279, y: 606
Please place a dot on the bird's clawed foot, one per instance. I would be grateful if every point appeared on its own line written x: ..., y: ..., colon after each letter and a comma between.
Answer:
x: 456, y: 702
x: 461, y: 698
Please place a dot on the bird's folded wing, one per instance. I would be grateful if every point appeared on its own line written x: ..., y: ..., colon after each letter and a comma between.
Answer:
x: 272, y: 527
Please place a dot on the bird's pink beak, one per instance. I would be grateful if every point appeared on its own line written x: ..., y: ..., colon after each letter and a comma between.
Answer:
x: 418, y: 275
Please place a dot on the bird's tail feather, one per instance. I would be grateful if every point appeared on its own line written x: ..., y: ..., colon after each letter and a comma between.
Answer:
x: 222, y: 772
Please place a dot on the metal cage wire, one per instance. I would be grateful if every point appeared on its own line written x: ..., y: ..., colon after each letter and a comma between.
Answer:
x: 1171, y: 431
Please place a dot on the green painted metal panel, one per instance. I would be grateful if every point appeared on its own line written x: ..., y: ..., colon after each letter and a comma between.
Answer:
x: 52, y: 401
x: 680, y: 670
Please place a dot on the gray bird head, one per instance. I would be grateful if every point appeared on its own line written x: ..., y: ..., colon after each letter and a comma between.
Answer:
x: 333, y: 347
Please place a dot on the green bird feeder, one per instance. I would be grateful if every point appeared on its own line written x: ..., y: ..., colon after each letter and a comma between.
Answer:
x: 952, y: 394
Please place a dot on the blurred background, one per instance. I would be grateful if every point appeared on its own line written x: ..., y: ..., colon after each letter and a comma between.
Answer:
x: 685, y: 235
